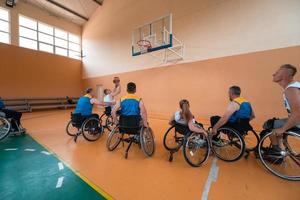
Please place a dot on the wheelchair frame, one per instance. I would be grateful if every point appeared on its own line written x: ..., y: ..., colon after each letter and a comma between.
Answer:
x: 9, y: 122
x: 81, y: 126
x: 137, y: 135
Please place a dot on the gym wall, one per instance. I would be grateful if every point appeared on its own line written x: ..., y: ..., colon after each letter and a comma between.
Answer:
x: 29, y: 73
x: 238, y: 42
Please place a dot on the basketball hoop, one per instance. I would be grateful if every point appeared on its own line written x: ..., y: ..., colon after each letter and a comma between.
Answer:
x: 144, y: 45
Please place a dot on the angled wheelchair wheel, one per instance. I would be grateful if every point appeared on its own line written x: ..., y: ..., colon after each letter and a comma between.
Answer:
x: 230, y: 146
x: 147, y: 141
x: 286, y: 164
x: 102, y: 119
x: 114, y: 139
x: 109, y: 123
x: 196, y: 149
x: 71, y: 129
x: 172, y: 140
x: 91, y: 129
x: 251, y: 140
x: 5, y: 127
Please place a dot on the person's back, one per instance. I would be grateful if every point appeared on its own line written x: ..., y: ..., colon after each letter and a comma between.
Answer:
x: 130, y: 105
x: 84, y: 106
x: 244, y: 111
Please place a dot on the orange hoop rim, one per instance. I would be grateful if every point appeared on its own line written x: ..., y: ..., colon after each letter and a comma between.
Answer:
x: 144, y: 43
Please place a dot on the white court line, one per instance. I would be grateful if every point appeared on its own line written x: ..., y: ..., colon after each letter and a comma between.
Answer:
x: 46, y: 153
x: 29, y: 150
x: 12, y: 149
x: 59, y: 182
x: 60, y: 166
x: 212, y: 177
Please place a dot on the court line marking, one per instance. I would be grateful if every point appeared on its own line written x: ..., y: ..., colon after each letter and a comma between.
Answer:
x: 90, y: 183
x: 212, y: 177
x: 29, y: 150
x: 46, y: 153
x: 60, y: 166
x: 11, y: 149
x: 60, y: 181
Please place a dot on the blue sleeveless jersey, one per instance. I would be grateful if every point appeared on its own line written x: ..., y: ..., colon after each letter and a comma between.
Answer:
x: 244, y: 112
x: 130, y: 105
x: 84, y: 106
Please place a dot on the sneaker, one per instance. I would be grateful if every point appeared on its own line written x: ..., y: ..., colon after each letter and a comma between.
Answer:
x: 273, y: 156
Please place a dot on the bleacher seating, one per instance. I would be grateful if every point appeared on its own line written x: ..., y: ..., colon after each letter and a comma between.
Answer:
x: 32, y: 104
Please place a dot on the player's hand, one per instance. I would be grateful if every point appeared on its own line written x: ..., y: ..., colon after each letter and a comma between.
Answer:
x: 146, y: 124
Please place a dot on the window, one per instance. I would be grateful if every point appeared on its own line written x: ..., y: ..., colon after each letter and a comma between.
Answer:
x: 40, y: 36
x: 28, y: 33
x: 4, y: 26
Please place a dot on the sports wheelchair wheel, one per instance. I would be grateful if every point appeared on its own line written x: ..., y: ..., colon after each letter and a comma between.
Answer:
x: 5, y: 127
x: 109, y: 123
x: 91, y: 129
x: 172, y: 139
x: 230, y: 145
x: 114, y: 139
x: 147, y: 141
x: 196, y: 149
x: 251, y: 140
x: 71, y: 129
x: 285, y: 165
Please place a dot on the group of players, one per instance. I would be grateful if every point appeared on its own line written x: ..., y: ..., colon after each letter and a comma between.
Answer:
x: 238, y: 113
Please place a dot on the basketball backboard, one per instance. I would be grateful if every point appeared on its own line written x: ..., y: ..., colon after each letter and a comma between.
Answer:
x: 153, y: 36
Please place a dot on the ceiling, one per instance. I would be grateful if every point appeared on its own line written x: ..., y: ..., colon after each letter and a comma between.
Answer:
x: 77, y: 11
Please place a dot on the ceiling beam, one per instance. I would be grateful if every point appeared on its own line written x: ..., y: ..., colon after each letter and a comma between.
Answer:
x: 67, y: 9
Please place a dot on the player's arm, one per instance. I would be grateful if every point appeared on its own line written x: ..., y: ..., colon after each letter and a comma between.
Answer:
x: 116, y: 91
x: 232, y: 107
x: 293, y: 96
x: 114, y: 111
x: 194, y: 128
x: 143, y: 113
x: 95, y: 101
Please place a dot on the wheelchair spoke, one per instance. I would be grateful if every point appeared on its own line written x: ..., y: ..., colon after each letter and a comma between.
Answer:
x: 196, y: 149
x: 285, y: 164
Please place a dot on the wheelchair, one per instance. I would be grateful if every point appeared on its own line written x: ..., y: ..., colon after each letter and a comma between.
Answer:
x: 90, y: 128
x: 130, y: 130
x: 108, y: 121
x: 6, y: 126
x: 196, y: 146
x: 285, y: 164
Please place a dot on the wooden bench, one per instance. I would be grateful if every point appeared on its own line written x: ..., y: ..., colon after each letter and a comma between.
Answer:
x: 31, y: 104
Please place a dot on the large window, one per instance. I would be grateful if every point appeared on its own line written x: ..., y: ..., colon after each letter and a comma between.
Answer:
x: 4, y: 26
x: 39, y: 36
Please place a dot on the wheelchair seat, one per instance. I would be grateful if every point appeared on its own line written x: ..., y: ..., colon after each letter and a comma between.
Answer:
x: 107, y: 111
x: 243, y: 126
x: 181, y: 128
x: 130, y: 124
x: 77, y: 120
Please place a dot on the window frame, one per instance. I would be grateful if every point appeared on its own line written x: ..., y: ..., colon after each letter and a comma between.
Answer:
x: 54, y: 46
x: 9, y: 25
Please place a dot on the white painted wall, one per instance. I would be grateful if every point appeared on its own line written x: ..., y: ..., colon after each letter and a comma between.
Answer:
x: 209, y: 29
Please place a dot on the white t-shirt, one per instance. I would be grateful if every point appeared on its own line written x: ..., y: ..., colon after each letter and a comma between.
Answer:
x: 286, y: 102
x: 178, y: 118
x: 108, y: 99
